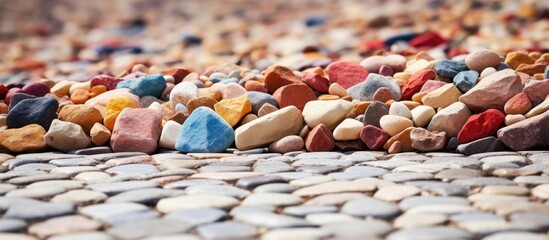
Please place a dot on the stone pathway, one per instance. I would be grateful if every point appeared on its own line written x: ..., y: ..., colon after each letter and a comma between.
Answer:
x: 259, y: 195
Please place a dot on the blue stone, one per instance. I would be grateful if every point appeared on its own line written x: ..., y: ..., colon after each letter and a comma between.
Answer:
x: 546, y: 74
x: 449, y: 68
x: 502, y: 66
x: 204, y: 131
x: 181, y: 108
x: 257, y: 99
x: 315, y: 21
x: 466, y: 80
x: 194, y: 40
x: 150, y: 85
x: 403, y: 37
x: 217, y: 77
x: 365, y: 90
x: 40, y: 110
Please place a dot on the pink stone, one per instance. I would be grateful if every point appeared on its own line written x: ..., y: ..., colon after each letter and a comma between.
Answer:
x: 431, y: 85
x: 109, y: 81
x: 232, y: 90
x: 36, y: 89
x: 373, y: 137
x: 537, y: 90
x: 386, y: 71
x: 136, y: 130
x: 383, y: 94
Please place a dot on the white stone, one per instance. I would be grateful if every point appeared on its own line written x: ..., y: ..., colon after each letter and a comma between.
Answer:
x: 269, y: 128
x: 513, y: 118
x: 330, y: 112
x: 66, y: 136
x: 399, y: 109
x: 394, y: 124
x: 422, y: 115
x: 182, y: 93
x: 195, y: 201
x: 169, y: 134
x: 450, y: 119
x: 349, y: 129
x: 396, y: 193
x: 541, y: 191
x: 487, y: 71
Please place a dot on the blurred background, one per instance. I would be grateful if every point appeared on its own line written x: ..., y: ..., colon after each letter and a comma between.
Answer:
x: 256, y: 34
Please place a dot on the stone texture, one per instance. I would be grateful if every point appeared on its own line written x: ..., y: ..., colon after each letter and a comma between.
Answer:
x: 426, y: 141
x: 442, y: 97
x: 450, y: 119
x: 294, y: 95
x: 320, y: 139
x: 526, y: 134
x: 481, y: 125
x: 346, y: 74
x: 269, y: 128
x: 234, y: 109
x: 365, y: 91
x: 136, y: 130
x: 287, y: 144
x: 493, y: 91
x: 83, y: 115
x: 394, y: 124
x: 481, y: 59
x: 26, y: 139
x: 330, y: 113
x: 66, y: 136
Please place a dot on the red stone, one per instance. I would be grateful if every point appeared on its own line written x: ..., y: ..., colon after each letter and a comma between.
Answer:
x: 416, y: 82
x: 372, y: 45
x: 36, y: 89
x: 136, y: 130
x: 429, y: 39
x: 373, y: 137
x: 3, y: 91
x: 481, y: 125
x: 316, y: 82
x: 255, y: 86
x: 346, y: 74
x: 518, y: 104
x: 320, y: 139
x: 177, y: 73
x: 279, y: 76
x: 295, y: 94
x: 109, y: 81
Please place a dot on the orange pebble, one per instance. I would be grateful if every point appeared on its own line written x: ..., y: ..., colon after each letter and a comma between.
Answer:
x: 3, y: 108
x: 98, y: 89
x: 80, y: 96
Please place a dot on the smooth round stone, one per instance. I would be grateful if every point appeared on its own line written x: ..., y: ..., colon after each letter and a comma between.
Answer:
x: 67, y: 184
x: 112, y: 188
x: 536, y: 219
x: 358, y: 229
x: 106, y: 211
x: 422, y: 115
x: 457, y: 173
x: 34, y: 167
x: 296, y: 233
x: 12, y: 225
x: 80, y: 196
x: 167, y: 205
x: 334, y: 187
x: 149, y: 227
x: 198, y: 216
x: 63, y: 225
x: 407, y: 176
x: 276, y: 199
x: 532, y: 180
x: 193, y: 182
x: 322, y: 162
x: 334, y: 199
x: 420, y: 220
x: 133, y: 169
x: 396, y: 193
x: 16, y: 236
x: 309, y: 181
x: 73, y: 171
x: 6, y: 187
x: 356, y: 172
x: 541, y: 191
x: 221, y: 168
x: 475, y: 217
x: 147, y: 195
x: 329, y: 218
x: 370, y: 207
x: 512, y: 235
x: 272, y: 167
x: 74, y: 162
x: 441, y: 208
x: 482, y: 59
x: 505, y: 190
x: 393, y: 124
x: 227, y: 230
x: 287, y: 144
x: 440, y: 188
x: 275, y: 188
x: 483, y: 181
x: 270, y: 220
x: 91, y: 176
x: 412, y: 202
x: 430, y: 233
x: 32, y: 211
x: 399, y: 109
x: 225, y: 190
x: 302, y: 211
x: 83, y: 236
x: 44, y: 192
x: 255, y: 181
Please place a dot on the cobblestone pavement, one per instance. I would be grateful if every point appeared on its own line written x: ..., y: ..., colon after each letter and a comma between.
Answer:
x: 256, y: 195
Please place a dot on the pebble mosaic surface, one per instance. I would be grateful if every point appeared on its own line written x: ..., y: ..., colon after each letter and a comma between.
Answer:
x: 396, y: 120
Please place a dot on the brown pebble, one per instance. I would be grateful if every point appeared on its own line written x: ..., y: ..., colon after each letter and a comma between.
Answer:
x: 396, y: 147
x: 266, y: 109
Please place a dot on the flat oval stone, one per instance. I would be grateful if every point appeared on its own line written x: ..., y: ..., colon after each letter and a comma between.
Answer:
x: 370, y: 207
x: 167, y: 205
x: 430, y: 233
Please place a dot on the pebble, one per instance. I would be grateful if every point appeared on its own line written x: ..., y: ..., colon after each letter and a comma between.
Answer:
x: 33, y: 135
x: 394, y: 124
x: 40, y: 110
x: 429, y: 233
x: 167, y: 205
x: 227, y: 230
x: 196, y: 134
x: 374, y: 113
x: 370, y: 207
x: 441, y: 97
x: 482, y: 59
x: 481, y: 125
x: 365, y: 91
x: 450, y: 119
x: 346, y: 74
x: 483, y: 97
x: 287, y: 144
